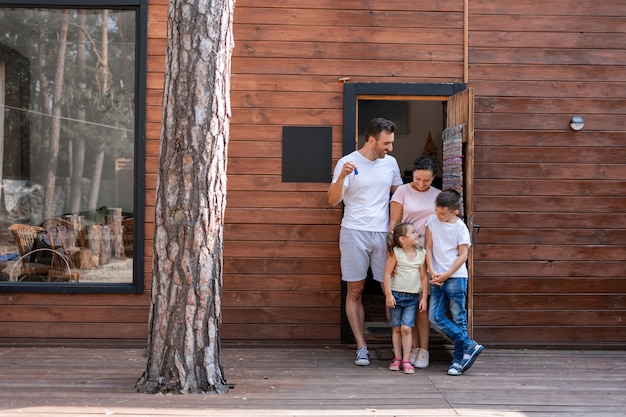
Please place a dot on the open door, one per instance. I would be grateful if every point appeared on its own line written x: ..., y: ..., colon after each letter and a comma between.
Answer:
x: 418, y: 110
x: 460, y: 116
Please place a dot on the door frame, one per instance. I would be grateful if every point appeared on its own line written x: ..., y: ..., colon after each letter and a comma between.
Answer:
x: 391, y: 91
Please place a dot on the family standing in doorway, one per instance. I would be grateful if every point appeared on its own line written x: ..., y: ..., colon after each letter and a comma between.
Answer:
x: 363, y: 180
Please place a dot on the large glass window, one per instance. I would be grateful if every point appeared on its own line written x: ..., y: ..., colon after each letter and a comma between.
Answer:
x: 68, y: 135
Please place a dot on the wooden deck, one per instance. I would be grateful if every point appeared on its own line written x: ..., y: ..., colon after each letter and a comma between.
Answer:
x: 320, y: 381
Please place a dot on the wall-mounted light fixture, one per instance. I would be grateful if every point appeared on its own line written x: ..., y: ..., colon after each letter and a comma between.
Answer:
x: 577, y: 123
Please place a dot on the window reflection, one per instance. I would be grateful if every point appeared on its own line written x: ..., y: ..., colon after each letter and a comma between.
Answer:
x: 67, y: 91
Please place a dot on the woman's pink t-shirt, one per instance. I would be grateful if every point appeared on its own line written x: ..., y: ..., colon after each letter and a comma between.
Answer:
x: 417, y: 206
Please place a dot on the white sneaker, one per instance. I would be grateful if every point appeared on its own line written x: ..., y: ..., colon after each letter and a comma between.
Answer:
x: 422, y: 359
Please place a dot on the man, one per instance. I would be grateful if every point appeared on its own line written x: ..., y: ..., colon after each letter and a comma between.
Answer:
x: 364, y: 180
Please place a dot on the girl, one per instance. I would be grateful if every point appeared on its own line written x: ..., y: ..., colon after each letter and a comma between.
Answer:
x: 414, y: 203
x: 403, y: 292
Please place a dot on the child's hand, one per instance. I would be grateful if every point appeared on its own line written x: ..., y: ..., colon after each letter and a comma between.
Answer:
x: 437, y: 279
x: 390, y: 301
x: 423, y: 305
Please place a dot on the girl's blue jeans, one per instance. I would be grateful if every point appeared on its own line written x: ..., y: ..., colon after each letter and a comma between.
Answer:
x: 454, y: 292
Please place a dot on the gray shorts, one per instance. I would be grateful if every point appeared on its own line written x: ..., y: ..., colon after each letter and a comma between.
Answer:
x: 360, y: 251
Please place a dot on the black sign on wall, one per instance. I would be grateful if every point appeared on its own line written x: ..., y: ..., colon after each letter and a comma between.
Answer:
x: 307, y: 153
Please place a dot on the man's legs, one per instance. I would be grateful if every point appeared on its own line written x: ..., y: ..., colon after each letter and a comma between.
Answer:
x: 355, y: 312
x: 359, y: 251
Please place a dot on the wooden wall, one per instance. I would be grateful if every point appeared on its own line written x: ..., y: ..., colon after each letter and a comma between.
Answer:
x: 282, y: 277
x: 549, y: 258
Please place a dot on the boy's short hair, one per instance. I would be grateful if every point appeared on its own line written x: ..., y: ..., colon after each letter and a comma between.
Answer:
x: 450, y: 199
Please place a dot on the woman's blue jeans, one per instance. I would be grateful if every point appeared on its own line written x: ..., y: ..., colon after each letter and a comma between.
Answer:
x: 453, y: 291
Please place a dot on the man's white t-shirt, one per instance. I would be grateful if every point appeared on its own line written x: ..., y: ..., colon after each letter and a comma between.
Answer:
x: 366, y: 194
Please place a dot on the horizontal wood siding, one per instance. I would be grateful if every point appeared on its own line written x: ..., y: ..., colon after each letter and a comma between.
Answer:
x: 550, y: 255
x: 549, y: 258
x: 282, y: 277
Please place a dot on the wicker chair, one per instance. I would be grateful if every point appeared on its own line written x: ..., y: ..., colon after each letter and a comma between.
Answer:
x: 60, y: 267
x: 24, y: 236
x: 74, y: 235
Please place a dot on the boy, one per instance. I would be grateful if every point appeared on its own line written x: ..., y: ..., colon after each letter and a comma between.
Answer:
x: 447, y: 244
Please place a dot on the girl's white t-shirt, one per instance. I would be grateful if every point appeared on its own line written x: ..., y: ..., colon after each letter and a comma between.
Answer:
x: 407, y: 276
x: 366, y: 194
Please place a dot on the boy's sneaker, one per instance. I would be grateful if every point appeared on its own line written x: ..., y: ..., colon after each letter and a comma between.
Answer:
x: 362, y: 357
x: 470, y: 355
x: 455, y: 370
x: 422, y: 359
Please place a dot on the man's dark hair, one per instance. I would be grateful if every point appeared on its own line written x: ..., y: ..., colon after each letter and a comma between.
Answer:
x: 378, y: 125
x: 425, y: 163
x: 450, y: 199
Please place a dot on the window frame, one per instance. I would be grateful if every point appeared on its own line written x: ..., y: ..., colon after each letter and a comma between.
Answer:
x: 137, y: 286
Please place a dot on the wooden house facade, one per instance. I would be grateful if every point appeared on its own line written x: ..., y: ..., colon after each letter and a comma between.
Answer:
x: 543, y: 201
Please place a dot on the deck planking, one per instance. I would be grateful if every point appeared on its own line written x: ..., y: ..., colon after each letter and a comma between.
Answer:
x: 319, y: 381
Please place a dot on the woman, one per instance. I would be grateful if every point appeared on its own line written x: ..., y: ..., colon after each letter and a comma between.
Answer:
x: 414, y: 203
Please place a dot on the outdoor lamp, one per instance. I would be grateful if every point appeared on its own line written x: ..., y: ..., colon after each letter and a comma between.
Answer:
x: 577, y: 123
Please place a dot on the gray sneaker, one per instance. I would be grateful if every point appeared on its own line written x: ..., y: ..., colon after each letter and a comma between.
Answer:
x: 362, y: 357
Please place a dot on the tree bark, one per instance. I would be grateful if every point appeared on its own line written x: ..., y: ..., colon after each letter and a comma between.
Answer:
x: 185, y: 315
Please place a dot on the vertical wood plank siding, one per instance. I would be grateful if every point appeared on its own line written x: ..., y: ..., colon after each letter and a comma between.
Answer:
x: 549, y: 258
x: 282, y: 278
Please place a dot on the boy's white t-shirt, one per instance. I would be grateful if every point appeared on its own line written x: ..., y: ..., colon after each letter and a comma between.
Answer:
x: 447, y: 237
x: 366, y: 194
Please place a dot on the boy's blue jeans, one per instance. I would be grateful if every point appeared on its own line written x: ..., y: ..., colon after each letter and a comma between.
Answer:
x: 454, y: 291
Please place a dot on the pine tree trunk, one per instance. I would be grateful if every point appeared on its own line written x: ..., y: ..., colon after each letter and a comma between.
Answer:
x: 185, y: 315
